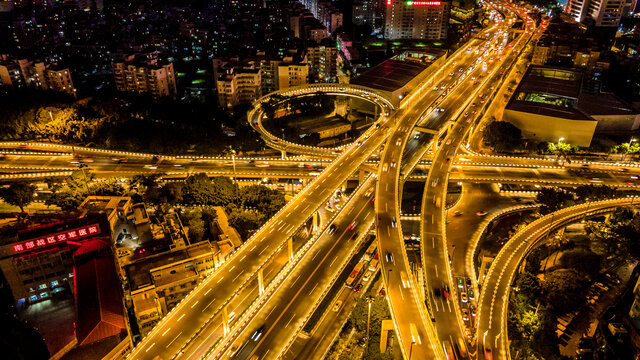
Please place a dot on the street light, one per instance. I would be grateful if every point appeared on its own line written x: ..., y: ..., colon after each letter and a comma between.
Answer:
x: 233, y: 159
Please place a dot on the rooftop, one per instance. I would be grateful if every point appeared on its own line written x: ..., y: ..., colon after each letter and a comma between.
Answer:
x: 390, y: 75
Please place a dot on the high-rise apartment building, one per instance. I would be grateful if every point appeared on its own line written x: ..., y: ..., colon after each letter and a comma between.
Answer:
x: 292, y: 74
x: 145, y: 76
x: 37, y: 74
x: 322, y: 60
x: 416, y: 19
x: 605, y: 13
x: 363, y: 12
x: 238, y: 86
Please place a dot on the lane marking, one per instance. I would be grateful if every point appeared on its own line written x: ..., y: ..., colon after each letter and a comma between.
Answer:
x: 195, y: 303
x: 180, y: 318
x: 218, y: 282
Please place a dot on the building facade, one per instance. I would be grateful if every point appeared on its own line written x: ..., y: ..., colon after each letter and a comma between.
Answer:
x: 36, y: 74
x: 416, y: 19
x: 145, y: 76
x: 606, y: 13
x: 322, y: 60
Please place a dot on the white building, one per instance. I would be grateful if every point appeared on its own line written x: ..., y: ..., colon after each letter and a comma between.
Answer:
x: 416, y: 19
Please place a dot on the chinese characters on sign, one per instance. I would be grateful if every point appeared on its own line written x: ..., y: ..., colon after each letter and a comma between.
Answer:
x: 57, y: 238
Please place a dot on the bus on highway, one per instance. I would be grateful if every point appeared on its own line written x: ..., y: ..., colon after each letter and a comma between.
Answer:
x: 373, y: 265
x: 355, y: 274
x: 368, y: 255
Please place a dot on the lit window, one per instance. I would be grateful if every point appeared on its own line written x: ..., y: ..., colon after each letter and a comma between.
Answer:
x: 54, y: 283
x: 43, y: 295
x: 42, y: 286
x: 33, y: 297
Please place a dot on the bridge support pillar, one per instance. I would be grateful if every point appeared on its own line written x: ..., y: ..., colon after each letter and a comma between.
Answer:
x: 283, y: 154
x: 387, y: 325
x: 261, y: 281
x: 290, y: 248
x: 361, y: 175
x: 225, y: 320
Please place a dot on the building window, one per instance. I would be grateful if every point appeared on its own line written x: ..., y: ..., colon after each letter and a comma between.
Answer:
x: 33, y: 297
x: 42, y: 286
x: 54, y: 283
x: 43, y: 295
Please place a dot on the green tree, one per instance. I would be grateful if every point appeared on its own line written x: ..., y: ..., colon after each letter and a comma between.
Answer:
x: 502, y: 136
x: 563, y: 290
x: 246, y: 222
x: 595, y: 193
x: 108, y: 187
x: 261, y: 198
x: 67, y: 200
x: 19, y: 194
x: 583, y: 261
x: 552, y: 199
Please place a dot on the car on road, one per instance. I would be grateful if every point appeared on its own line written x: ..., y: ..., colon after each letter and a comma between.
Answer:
x: 257, y: 334
x: 357, y: 288
x: 465, y: 314
x: 385, y: 167
x: 399, y: 141
x: 488, y: 354
x: 416, y: 136
x: 332, y: 229
x: 446, y: 292
x: 394, y: 222
x: 457, y: 213
x: 473, y: 310
x: 481, y: 213
x: 448, y: 142
x: 471, y: 295
x: 468, y: 281
x: 389, y: 257
x: 122, y: 161
x: 337, y: 306
x: 463, y: 297
x: 434, y: 183
x: 353, y: 225
x: 393, y: 164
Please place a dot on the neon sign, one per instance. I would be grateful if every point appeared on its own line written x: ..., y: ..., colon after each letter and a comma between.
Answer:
x: 57, y: 238
x: 423, y: 3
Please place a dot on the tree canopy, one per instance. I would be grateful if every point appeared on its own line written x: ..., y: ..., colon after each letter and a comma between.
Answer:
x: 502, y: 136
x: 19, y: 194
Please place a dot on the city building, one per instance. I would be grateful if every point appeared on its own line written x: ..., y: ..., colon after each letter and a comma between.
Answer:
x: 238, y: 86
x: 145, y: 75
x: 322, y: 60
x: 36, y: 74
x: 398, y: 76
x: 292, y: 74
x: 158, y: 281
x: 363, y: 13
x: 417, y: 19
x: 549, y: 104
x: 606, y: 13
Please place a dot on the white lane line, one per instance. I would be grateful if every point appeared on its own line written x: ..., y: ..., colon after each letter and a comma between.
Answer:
x: 436, y: 266
x: 334, y: 260
x: 273, y: 308
x: 254, y: 247
x: 433, y: 242
x: 237, y: 276
x: 174, y: 339
x: 296, y: 280
x: 243, y: 257
x: 263, y: 250
x: 233, y: 267
x: 401, y: 294
x: 209, y: 304
x: 433, y: 218
x: 195, y: 303
x: 288, y: 322
x: 180, y: 318
x: 311, y: 292
x: 265, y: 354
x: 218, y: 282
x: 208, y: 291
x: 314, y: 256
x: 149, y: 348
x: 165, y: 332
x: 388, y: 231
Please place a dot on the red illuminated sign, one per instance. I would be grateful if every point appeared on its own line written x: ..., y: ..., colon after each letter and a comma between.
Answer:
x: 57, y: 238
x: 423, y: 3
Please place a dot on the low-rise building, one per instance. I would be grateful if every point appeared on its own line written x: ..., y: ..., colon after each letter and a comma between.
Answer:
x: 322, y: 60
